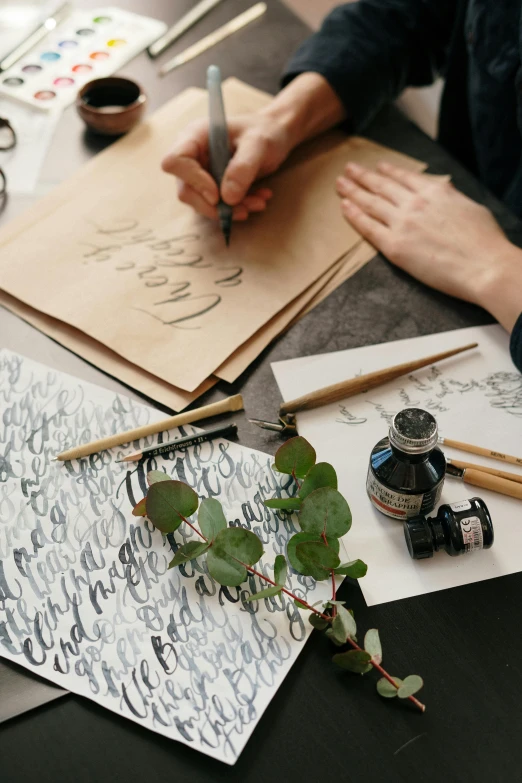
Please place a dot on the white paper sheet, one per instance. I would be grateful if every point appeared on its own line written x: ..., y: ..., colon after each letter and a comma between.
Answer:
x: 476, y: 398
x: 85, y: 596
x: 34, y: 131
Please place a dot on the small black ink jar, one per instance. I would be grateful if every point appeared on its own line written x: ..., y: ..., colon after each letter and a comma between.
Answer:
x: 458, y: 528
x: 407, y: 469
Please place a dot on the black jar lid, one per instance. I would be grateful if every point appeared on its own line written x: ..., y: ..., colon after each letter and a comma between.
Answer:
x: 414, y: 431
x: 418, y: 537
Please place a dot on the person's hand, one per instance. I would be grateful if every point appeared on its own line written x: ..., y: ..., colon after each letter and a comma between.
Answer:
x: 259, y: 147
x: 424, y: 225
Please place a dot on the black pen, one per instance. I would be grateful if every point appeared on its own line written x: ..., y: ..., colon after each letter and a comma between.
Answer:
x: 219, y: 144
x: 223, y: 431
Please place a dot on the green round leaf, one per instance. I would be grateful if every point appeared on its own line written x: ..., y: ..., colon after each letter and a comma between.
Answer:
x: 188, y: 552
x: 337, y: 631
x: 386, y: 689
x: 318, y: 622
x: 140, y: 509
x: 301, y: 538
x: 410, y: 685
x: 295, y: 456
x: 372, y: 644
x: 325, y: 511
x: 317, y: 558
x: 240, y: 543
x: 280, y: 569
x: 357, y: 661
x: 270, y: 591
x: 321, y: 475
x: 355, y: 569
x: 285, y: 504
x: 153, y: 476
x: 211, y: 518
x: 349, y: 625
x: 168, y: 502
x: 225, y: 569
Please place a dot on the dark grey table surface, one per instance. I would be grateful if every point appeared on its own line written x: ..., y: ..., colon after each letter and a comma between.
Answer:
x: 322, y: 723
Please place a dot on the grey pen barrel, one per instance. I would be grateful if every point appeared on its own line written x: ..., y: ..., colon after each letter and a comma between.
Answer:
x: 218, y: 142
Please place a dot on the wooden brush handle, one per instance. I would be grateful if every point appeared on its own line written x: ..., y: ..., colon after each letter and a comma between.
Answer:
x: 492, y: 471
x: 234, y: 403
x: 468, y: 447
x: 485, y: 480
x: 339, y: 391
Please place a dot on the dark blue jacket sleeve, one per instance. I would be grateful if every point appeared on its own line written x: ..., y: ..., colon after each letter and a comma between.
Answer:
x: 516, y: 343
x: 370, y: 50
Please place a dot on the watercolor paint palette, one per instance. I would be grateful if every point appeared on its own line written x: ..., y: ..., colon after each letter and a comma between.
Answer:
x: 85, y: 46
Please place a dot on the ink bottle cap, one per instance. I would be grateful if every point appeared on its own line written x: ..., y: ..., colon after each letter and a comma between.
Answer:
x: 407, y: 469
x: 458, y: 528
x: 414, y: 431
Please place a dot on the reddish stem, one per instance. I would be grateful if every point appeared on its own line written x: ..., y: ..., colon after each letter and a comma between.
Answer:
x: 350, y: 641
x: 419, y: 704
x: 326, y: 617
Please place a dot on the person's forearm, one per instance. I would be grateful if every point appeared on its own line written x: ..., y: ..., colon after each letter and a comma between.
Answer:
x: 305, y: 108
x: 500, y: 293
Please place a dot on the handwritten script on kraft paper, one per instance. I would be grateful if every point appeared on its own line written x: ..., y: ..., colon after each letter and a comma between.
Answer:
x: 86, y: 599
x: 118, y: 259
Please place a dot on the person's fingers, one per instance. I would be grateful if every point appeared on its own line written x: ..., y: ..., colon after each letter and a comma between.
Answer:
x: 189, y: 196
x: 243, y: 169
x: 377, y: 183
x: 254, y: 203
x: 368, y: 227
x: 192, y: 197
x: 186, y: 163
x: 374, y: 205
x: 408, y: 179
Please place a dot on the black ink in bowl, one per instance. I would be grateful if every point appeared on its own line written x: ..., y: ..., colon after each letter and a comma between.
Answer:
x: 111, y: 106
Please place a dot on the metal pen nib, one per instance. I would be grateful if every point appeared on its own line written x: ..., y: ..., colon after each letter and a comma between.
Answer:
x: 283, y: 425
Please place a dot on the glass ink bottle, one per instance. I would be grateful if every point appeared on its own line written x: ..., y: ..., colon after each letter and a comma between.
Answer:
x: 407, y: 469
x: 458, y: 528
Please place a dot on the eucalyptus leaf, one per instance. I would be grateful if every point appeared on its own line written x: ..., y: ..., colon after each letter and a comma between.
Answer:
x: 189, y: 552
x: 386, y: 689
x: 211, y: 518
x: 140, y: 509
x: 240, y: 543
x: 328, y: 604
x: 321, y: 475
x: 410, y: 685
x: 357, y: 661
x: 317, y: 558
x: 337, y: 632
x: 325, y: 511
x: 168, y: 502
x: 285, y: 504
x: 301, y: 538
x: 280, y: 569
x: 372, y: 644
x: 301, y: 606
x: 318, y: 622
x: 153, y: 476
x: 295, y: 457
x: 349, y: 625
x: 225, y: 569
x: 265, y: 593
x: 355, y: 569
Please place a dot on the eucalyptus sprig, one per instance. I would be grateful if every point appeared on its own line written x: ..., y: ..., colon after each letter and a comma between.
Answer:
x: 231, y: 552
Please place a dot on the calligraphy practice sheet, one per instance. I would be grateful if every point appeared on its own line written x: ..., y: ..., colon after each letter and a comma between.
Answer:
x: 476, y: 398
x: 112, y: 254
x: 86, y: 599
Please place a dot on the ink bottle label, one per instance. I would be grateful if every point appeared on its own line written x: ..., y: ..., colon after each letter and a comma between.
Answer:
x: 472, y: 535
x: 400, y: 505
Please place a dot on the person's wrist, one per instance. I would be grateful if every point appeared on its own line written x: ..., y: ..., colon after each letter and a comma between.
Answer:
x: 284, y: 120
x: 499, y: 289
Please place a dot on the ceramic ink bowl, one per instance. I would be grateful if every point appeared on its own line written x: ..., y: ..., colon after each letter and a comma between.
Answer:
x: 111, y: 106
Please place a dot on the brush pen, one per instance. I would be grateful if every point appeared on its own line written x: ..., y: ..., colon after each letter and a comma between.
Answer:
x: 181, y: 444
x: 185, y: 23
x: 219, y: 144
